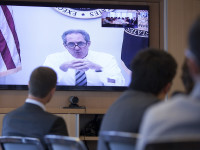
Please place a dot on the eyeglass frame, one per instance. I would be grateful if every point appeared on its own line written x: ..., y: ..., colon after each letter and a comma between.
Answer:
x: 76, y: 44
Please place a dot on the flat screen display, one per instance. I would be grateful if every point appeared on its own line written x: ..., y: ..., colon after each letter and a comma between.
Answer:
x: 89, y: 46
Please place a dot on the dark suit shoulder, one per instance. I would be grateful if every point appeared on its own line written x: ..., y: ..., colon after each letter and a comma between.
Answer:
x: 126, y: 112
x: 59, y: 127
x: 137, y: 97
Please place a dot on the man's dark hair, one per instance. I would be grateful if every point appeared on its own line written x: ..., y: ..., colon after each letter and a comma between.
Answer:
x: 86, y: 36
x: 186, y: 78
x: 194, y: 39
x: 152, y: 70
x: 42, y: 81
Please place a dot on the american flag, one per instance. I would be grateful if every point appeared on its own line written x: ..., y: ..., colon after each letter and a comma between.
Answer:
x: 10, y: 60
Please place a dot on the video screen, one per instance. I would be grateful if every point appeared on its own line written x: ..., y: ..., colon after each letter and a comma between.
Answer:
x: 87, y: 46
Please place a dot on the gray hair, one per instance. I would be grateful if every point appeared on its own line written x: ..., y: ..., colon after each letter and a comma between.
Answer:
x: 84, y: 33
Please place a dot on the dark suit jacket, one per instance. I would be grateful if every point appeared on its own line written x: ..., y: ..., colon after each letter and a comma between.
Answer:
x: 126, y: 113
x: 32, y: 121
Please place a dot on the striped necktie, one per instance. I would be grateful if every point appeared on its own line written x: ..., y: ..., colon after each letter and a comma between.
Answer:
x: 81, y: 79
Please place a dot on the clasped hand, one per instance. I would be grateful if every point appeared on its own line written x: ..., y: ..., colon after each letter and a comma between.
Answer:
x: 80, y: 64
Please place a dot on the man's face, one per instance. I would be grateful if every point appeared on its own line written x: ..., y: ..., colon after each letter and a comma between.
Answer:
x: 76, y: 45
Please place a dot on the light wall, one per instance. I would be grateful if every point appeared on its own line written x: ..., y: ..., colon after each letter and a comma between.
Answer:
x: 181, y: 14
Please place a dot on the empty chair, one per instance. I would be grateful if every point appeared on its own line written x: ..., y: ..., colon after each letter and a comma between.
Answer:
x: 20, y: 143
x: 59, y: 142
x: 116, y: 140
x: 177, y: 144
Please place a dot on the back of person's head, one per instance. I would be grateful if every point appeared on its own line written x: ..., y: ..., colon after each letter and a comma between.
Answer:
x: 42, y: 81
x: 194, y: 40
x: 152, y: 70
x: 186, y: 78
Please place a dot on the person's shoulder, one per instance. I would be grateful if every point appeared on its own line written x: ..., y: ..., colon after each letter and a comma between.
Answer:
x: 13, y: 112
x: 57, y: 54
x: 168, y: 105
x: 129, y: 93
x: 49, y: 117
x: 101, y: 54
x: 52, y: 116
x: 133, y: 93
x: 145, y: 96
x: 56, y: 58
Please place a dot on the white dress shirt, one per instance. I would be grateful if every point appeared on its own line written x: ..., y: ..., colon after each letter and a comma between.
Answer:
x: 172, y: 119
x: 110, y: 69
x: 32, y: 101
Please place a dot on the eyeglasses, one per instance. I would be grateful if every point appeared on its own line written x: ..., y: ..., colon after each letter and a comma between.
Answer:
x: 73, y: 45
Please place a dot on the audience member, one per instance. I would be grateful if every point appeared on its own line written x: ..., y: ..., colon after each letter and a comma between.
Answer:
x: 179, y: 117
x: 186, y: 80
x: 31, y: 119
x: 152, y: 74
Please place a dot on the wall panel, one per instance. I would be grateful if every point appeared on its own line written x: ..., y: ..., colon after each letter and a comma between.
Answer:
x: 181, y: 14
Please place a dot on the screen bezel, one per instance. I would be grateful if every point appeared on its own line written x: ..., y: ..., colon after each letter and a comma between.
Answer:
x: 72, y: 5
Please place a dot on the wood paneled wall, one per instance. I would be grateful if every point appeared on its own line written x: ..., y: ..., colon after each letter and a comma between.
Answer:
x: 181, y: 14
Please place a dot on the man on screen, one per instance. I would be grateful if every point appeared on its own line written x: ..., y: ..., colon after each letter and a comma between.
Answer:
x: 82, y: 67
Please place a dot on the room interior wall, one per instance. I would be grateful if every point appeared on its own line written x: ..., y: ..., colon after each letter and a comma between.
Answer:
x: 181, y: 14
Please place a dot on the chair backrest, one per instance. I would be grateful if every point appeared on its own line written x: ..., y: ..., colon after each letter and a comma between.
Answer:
x: 116, y: 140
x: 59, y: 142
x: 177, y: 144
x: 20, y: 143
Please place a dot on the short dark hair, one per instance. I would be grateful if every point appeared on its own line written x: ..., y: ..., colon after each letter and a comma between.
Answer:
x: 83, y: 32
x: 186, y: 78
x: 152, y: 69
x: 42, y: 81
x: 194, y: 39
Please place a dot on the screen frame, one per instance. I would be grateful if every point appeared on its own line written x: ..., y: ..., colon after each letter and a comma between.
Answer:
x: 74, y: 5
